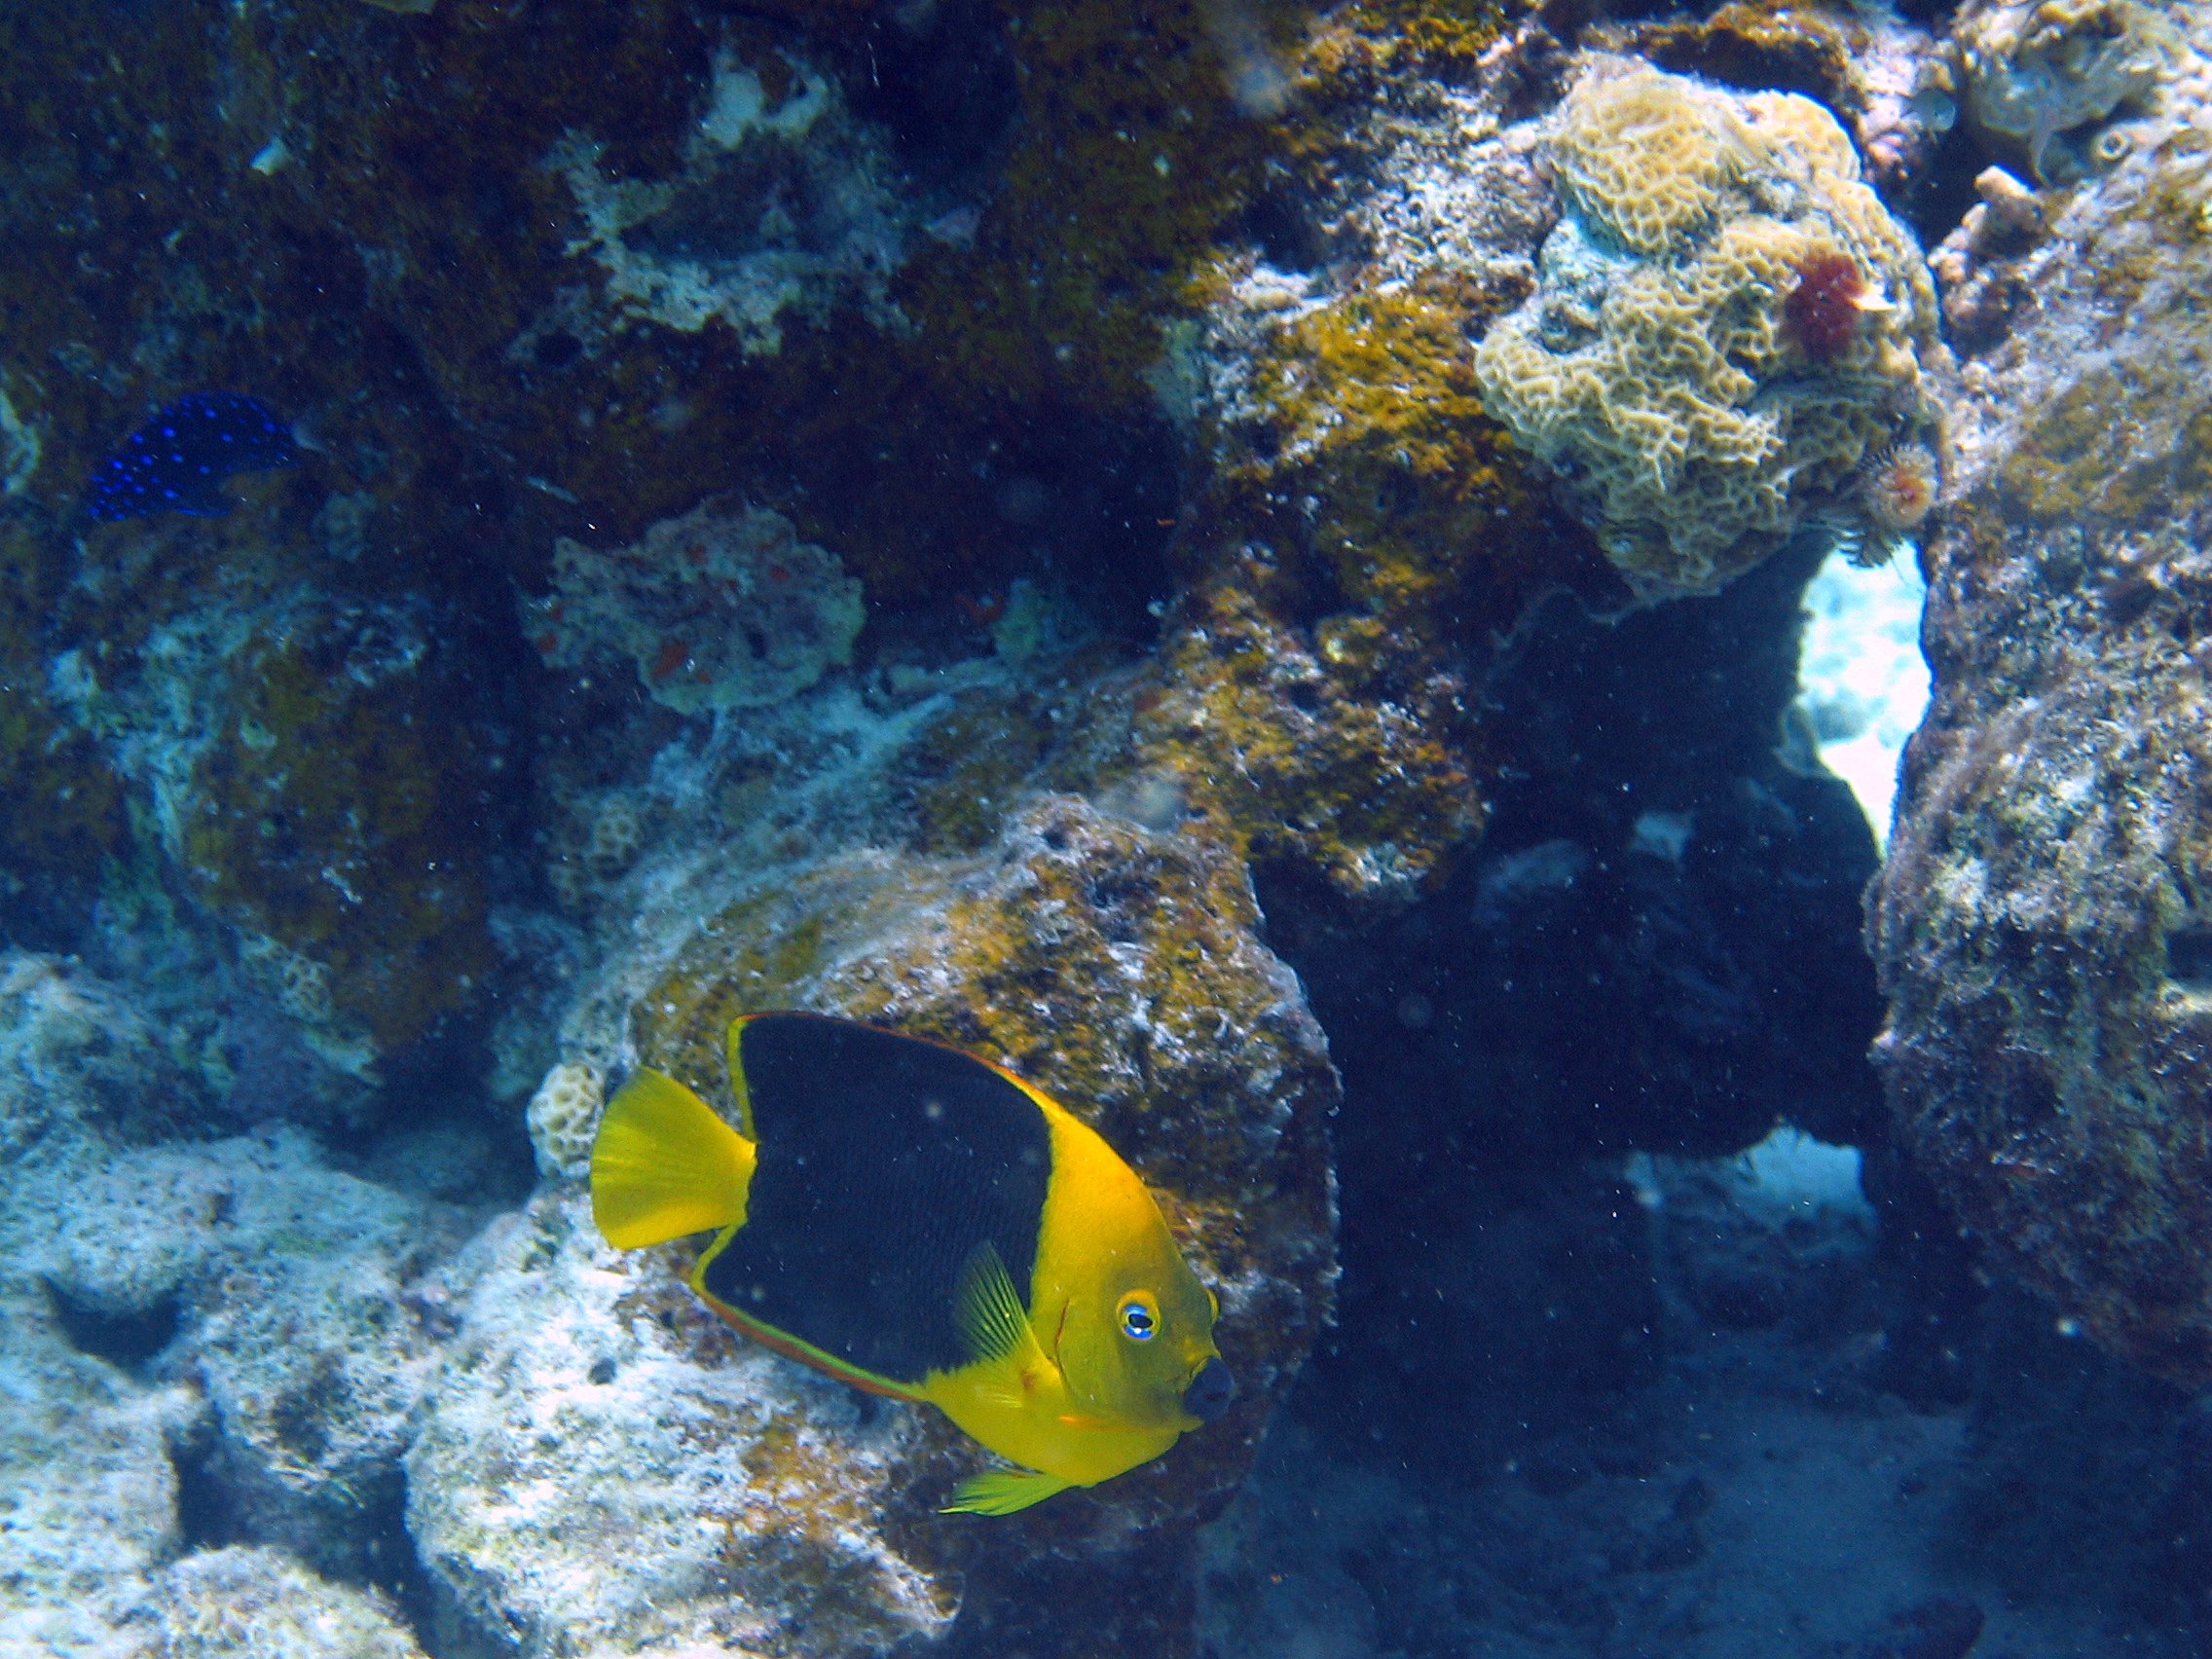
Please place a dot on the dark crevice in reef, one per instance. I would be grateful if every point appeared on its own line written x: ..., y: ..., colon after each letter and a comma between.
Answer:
x: 371, y: 1546
x: 1654, y: 948
x: 942, y: 81
x: 398, y: 1568
x: 1944, y: 191
x: 2188, y: 959
x: 207, y: 1518
x: 128, y: 1337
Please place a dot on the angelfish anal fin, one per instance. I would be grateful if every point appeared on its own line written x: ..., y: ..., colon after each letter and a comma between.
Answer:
x: 1003, y: 1492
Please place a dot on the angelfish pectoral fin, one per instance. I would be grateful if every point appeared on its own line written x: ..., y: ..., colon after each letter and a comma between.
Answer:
x: 1003, y: 1492
x: 988, y: 1310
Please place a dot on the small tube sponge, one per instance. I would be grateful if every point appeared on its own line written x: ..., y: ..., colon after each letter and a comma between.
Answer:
x: 1695, y: 415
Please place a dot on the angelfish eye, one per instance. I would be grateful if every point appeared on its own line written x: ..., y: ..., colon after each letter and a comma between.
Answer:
x: 1138, y: 1321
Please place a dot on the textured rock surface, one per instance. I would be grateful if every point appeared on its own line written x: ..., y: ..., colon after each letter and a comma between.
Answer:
x: 602, y: 1466
x: 2041, y: 925
x: 115, y: 1404
x: 291, y: 1297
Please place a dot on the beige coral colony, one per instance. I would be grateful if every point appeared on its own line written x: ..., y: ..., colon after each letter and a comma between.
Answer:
x: 1468, y: 741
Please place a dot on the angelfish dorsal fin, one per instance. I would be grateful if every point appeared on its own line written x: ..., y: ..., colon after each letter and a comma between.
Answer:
x: 663, y: 1165
x: 987, y: 1307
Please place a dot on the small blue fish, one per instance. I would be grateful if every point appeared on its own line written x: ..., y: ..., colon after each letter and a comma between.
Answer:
x: 177, y: 462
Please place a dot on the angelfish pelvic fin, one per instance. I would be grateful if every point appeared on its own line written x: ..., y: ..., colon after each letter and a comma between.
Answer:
x: 1003, y: 1492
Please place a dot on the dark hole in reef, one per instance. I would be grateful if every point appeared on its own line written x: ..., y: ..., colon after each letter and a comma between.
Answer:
x: 425, y: 1132
x: 1287, y: 236
x: 2189, y: 958
x: 943, y: 85
x: 207, y: 1518
x: 127, y: 1339
x: 558, y: 348
x: 1115, y: 498
x: 1944, y: 191
x: 377, y: 1547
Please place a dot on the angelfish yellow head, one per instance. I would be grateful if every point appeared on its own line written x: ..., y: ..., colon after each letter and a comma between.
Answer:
x: 1116, y: 1307
x: 1137, y: 1350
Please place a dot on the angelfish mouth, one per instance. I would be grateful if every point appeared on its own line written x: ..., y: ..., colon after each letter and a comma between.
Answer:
x: 1210, y: 1390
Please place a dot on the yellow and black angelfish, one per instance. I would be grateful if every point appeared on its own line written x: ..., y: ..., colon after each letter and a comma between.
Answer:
x: 922, y: 1224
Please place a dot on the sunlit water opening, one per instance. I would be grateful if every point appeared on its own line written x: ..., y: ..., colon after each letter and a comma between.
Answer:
x: 1862, y: 680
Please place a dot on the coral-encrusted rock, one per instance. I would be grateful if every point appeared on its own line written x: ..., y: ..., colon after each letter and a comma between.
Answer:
x: 291, y: 1296
x: 87, y: 1492
x: 317, y: 772
x: 601, y: 1465
x: 257, y: 1604
x: 1119, y: 969
x: 93, y: 1436
x: 2043, y: 926
x: 721, y: 608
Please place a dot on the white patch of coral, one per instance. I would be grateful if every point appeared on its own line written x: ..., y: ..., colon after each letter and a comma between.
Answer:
x: 784, y: 206
x: 1862, y: 680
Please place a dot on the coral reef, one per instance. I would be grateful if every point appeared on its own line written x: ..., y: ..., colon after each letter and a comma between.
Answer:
x: 1117, y: 965
x: 2037, y: 925
x: 294, y: 1298
x: 318, y: 777
x: 142, y: 1343
x: 1233, y: 418
x: 1726, y: 322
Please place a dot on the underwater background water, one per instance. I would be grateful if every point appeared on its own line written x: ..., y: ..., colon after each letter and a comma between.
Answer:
x: 1552, y: 658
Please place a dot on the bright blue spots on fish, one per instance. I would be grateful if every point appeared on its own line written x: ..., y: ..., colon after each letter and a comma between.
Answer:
x: 177, y: 462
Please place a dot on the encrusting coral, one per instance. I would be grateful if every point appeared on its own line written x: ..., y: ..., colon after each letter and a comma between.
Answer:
x: 1726, y: 322
x: 2037, y: 68
x: 723, y: 607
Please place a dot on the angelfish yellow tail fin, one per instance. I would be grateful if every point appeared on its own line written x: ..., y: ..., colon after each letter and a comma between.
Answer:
x: 663, y: 1165
x: 1003, y: 1492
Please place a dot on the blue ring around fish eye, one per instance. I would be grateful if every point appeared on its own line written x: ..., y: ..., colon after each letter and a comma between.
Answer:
x: 1137, y: 1322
